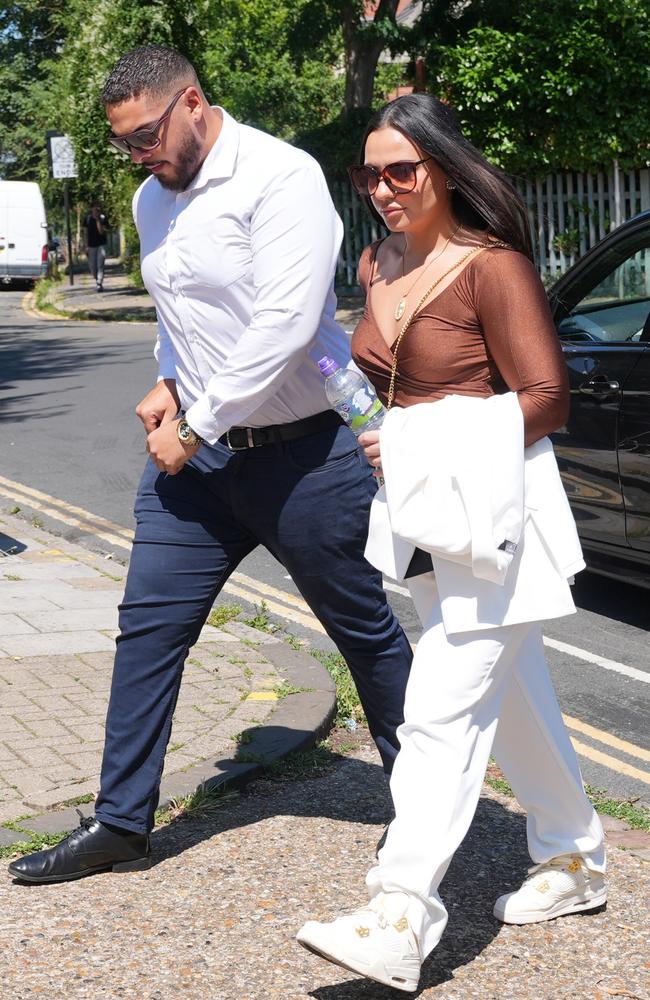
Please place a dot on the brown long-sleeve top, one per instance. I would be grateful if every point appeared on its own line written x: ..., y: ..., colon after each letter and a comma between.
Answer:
x: 487, y: 332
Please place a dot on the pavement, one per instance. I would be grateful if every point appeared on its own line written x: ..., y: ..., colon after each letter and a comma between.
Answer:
x: 247, y: 697
x: 121, y: 301
x: 215, y: 917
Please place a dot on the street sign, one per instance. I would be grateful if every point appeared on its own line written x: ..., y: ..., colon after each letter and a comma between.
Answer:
x: 61, y: 156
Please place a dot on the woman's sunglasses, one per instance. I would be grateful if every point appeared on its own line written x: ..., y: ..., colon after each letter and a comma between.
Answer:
x: 400, y: 177
x: 144, y: 138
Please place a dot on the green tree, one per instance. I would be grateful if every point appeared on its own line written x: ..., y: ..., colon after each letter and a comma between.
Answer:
x: 93, y: 42
x: 365, y: 32
x: 362, y: 33
x: 547, y: 84
x: 29, y: 37
x: 257, y: 70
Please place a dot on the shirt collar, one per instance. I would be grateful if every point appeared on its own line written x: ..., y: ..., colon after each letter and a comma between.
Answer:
x: 219, y: 164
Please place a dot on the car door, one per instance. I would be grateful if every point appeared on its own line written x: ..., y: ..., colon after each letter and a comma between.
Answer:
x: 634, y: 453
x: 601, y: 308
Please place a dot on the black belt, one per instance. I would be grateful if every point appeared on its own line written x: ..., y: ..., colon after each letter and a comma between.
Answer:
x: 241, y: 438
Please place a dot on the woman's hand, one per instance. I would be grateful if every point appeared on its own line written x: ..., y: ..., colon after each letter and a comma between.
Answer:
x: 369, y: 441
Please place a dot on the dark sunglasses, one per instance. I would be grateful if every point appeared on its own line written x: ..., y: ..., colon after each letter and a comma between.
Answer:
x: 401, y: 177
x: 144, y: 138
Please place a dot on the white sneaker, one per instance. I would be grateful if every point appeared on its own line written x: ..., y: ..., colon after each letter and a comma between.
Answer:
x: 375, y: 941
x: 557, y: 887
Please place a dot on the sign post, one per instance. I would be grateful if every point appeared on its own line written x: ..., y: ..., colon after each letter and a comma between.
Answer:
x: 60, y: 152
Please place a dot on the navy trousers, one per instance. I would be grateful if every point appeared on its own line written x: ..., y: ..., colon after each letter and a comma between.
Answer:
x: 307, y: 502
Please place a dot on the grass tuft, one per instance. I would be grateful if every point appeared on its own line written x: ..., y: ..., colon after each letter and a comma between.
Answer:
x: 284, y: 689
x: 34, y: 842
x: 635, y: 816
x: 200, y: 804
x: 261, y: 620
x: 306, y: 763
x: 222, y: 613
x: 348, y: 705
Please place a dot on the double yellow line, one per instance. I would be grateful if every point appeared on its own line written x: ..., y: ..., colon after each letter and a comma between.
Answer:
x: 298, y: 611
x: 295, y: 609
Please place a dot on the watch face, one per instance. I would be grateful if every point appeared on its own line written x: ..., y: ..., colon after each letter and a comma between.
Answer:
x: 184, y: 431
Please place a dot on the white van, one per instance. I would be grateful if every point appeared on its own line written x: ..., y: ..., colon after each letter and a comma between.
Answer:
x: 23, y: 232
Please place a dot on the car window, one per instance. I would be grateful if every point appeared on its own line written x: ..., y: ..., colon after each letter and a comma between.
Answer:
x: 616, y: 308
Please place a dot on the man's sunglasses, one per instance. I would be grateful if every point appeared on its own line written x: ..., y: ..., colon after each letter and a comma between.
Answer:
x: 144, y: 138
x: 400, y: 177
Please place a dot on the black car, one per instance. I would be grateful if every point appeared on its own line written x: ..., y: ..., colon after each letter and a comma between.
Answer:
x: 601, y: 308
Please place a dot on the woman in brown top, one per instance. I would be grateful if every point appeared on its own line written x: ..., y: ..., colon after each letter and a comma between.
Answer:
x: 454, y: 305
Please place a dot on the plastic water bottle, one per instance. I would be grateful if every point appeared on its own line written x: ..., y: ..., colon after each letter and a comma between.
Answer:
x: 352, y: 397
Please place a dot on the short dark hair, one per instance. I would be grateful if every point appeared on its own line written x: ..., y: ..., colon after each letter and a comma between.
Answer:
x: 152, y: 69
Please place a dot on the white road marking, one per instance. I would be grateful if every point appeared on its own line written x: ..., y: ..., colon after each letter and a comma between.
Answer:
x: 564, y: 647
x: 600, y: 661
x: 294, y: 608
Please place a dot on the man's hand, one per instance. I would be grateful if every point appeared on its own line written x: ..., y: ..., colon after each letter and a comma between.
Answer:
x: 167, y: 452
x: 369, y: 441
x: 159, y: 406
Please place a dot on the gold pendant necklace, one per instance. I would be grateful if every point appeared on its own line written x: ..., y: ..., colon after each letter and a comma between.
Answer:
x: 400, y: 308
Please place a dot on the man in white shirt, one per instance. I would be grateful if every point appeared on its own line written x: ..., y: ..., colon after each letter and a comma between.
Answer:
x: 239, y: 240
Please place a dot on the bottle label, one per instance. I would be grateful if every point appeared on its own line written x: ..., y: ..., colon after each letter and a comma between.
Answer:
x: 359, y: 410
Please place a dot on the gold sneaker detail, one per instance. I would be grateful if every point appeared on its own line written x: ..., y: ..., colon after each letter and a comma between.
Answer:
x: 375, y: 941
x: 555, y: 888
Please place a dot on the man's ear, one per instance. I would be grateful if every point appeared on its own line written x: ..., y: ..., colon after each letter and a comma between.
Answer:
x: 195, y: 101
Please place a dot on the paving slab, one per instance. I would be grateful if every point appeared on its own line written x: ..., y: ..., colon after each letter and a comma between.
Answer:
x: 55, y: 674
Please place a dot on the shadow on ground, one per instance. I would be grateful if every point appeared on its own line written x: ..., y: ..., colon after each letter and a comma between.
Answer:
x: 492, y: 859
x: 29, y: 355
x: 612, y: 599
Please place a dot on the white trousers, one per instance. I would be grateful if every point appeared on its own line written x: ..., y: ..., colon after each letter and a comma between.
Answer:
x: 469, y: 695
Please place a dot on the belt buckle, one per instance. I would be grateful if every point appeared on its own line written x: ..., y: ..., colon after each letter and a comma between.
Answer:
x: 249, y: 439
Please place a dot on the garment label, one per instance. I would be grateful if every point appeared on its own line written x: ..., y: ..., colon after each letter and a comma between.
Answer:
x: 360, y: 410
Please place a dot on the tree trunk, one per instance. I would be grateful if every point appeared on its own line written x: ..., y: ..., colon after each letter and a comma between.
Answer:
x: 362, y: 50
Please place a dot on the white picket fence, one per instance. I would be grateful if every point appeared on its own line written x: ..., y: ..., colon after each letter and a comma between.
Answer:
x: 569, y: 213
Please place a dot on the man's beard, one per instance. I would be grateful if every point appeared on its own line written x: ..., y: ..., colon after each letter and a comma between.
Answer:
x: 187, y: 166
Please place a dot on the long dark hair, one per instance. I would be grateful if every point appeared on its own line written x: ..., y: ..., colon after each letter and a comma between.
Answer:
x: 484, y: 197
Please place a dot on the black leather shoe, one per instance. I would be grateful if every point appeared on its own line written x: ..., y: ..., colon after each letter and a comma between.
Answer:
x: 89, y: 849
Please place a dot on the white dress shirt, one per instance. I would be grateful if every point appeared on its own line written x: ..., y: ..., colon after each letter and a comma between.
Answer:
x: 240, y: 266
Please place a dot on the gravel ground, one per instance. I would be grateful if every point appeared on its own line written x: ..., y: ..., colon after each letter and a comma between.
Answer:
x: 215, y: 918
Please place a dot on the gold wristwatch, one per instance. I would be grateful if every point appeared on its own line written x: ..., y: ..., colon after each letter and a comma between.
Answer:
x: 186, y: 435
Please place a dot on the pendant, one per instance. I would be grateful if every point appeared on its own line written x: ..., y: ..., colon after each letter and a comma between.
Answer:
x: 399, y: 309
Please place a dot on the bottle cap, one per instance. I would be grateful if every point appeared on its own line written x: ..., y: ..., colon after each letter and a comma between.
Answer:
x: 328, y: 366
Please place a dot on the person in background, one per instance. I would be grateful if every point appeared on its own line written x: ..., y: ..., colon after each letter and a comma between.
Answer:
x: 239, y: 241
x: 457, y: 321
x: 96, y: 225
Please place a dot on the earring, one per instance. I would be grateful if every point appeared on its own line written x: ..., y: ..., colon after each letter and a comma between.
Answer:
x: 450, y: 185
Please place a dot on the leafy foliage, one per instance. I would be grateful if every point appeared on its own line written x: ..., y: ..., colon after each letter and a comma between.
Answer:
x: 539, y: 86
x: 546, y: 84
x: 257, y: 67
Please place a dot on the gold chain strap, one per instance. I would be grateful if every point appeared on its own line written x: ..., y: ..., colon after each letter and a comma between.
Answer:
x: 393, y: 373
